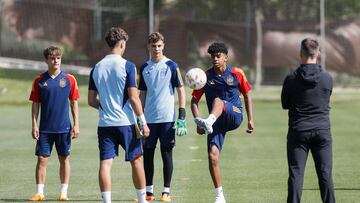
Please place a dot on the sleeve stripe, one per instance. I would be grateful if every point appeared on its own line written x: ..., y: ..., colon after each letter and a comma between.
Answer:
x: 179, y: 76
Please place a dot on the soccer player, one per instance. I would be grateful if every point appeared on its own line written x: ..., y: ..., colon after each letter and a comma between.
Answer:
x: 222, y: 91
x: 51, y: 93
x: 159, y: 76
x: 113, y: 79
x: 306, y: 94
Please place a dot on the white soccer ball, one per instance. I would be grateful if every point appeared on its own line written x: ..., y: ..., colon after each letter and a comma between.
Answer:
x: 195, y: 78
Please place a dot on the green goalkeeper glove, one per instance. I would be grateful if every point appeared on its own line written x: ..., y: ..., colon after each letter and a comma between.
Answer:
x: 180, y: 128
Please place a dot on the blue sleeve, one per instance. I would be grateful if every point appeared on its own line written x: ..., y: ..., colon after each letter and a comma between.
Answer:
x: 176, y: 80
x: 130, y: 74
x: 142, y: 84
x: 91, y: 81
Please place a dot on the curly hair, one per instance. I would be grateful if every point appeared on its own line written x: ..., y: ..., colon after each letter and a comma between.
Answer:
x: 115, y: 35
x: 155, y: 37
x: 52, y: 51
x: 217, y: 47
x: 309, y: 47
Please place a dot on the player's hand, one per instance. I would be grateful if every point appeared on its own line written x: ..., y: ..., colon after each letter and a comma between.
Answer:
x: 250, y: 127
x: 35, y: 133
x: 145, y: 130
x: 180, y: 127
x: 75, y: 132
x: 200, y: 131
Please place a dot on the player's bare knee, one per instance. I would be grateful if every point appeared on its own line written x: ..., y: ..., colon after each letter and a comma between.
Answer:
x: 137, y: 162
x: 213, y: 158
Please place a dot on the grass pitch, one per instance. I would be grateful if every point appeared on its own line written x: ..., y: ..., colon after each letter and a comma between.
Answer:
x: 253, y: 166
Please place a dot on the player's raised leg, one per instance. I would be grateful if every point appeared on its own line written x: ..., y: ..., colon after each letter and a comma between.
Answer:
x: 216, y: 111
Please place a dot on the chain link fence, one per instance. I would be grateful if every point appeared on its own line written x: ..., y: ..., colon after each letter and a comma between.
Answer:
x: 273, y: 28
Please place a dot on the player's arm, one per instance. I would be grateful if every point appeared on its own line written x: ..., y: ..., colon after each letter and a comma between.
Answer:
x: 285, y: 95
x: 75, y: 131
x: 196, y: 113
x: 142, y: 97
x: 93, y: 101
x: 249, y: 112
x: 35, y: 108
x: 195, y: 107
x: 136, y: 105
x: 181, y: 96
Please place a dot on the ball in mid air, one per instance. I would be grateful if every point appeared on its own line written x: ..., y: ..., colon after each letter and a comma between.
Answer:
x: 195, y: 78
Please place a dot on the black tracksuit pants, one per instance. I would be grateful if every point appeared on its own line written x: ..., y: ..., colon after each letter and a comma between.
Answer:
x: 298, y: 146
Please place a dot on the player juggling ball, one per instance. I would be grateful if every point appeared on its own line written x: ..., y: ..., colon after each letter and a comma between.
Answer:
x: 222, y: 91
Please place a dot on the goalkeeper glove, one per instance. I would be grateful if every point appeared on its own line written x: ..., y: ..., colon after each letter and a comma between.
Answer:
x: 180, y: 128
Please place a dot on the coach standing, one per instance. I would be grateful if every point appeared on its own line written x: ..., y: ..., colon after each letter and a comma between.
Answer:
x: 306, y: 94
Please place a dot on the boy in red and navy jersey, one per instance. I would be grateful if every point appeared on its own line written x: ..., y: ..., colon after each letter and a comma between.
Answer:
x: 222, y: 91
x: 51, y: 92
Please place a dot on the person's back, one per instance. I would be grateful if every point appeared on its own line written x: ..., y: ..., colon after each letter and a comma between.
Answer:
x: 307, y: 98
x: 112, y: 89
x: 306, y: 94
x: 110, y: 77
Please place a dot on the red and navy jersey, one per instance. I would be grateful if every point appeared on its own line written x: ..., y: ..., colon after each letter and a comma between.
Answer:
x: 226, y: 86
x: 53, y: 94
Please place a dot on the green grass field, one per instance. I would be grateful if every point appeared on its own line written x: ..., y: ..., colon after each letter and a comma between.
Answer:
x: 253, y: 167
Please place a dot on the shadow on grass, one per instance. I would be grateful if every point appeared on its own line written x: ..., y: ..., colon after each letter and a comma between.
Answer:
x: 339, y: 189
x: 71, y: 200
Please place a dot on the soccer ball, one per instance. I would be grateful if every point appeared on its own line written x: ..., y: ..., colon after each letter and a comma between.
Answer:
x: 195, y: 78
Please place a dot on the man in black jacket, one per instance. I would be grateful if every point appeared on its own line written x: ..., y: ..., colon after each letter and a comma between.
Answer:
x: 306, y: 94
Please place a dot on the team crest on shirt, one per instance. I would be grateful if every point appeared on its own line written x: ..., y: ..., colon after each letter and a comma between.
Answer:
x: 230, y: 80
x: 45, y: 84
x: 212, y: 82
x: 62, y: 82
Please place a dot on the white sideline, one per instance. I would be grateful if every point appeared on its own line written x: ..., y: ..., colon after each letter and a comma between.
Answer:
x: 15, y: 63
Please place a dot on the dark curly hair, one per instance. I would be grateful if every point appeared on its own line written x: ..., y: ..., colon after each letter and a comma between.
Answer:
x: 217, y: 47
x: 115, y: 35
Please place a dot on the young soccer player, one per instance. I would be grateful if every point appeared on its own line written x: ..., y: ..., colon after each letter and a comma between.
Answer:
x: 222, y: 91
x: 113, y: 79
x: 159, y: 76
x: 306, y: 94
x: 51, y: 93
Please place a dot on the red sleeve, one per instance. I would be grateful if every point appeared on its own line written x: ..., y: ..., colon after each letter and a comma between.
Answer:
x: 35, y: 92
x: 243, y: 86
x: 74, y: 89
x: 198, y: 93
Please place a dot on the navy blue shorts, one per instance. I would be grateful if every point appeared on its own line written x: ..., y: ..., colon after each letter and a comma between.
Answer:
x: 110, y: 138
x: 230, y: 119
x: 46, y: 141
x: 163, y: 132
